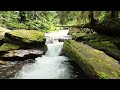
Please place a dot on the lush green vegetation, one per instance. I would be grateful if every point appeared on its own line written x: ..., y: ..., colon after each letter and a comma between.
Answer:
x: 47, y: 20
x: 44, y: 20
x: 109, y: 45
x: 33, y: 20
x: 98, y: 29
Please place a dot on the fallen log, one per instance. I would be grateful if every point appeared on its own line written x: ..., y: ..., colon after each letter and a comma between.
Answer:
x: 94, y: 63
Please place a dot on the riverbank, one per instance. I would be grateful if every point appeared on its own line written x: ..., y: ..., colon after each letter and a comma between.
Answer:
x: 19, y: 47
x: 22, y: 43
x: 52, y: 65
x: 104, y: 52
x: 108, y: 44
x: 96, y: 64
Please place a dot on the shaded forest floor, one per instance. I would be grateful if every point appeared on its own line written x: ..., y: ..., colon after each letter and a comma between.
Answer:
x: 110, y: 27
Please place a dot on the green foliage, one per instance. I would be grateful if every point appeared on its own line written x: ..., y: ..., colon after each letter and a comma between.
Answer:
x: 14, y: 25
x: 101, y: 16
x: 47, y: 20
x: 34, y: 20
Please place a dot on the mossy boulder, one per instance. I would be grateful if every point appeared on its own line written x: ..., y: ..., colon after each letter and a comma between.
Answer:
x: 2, y: 33
x: 95, y: 63
x: 20, y: 55
x: 73, y: 30
x: 79, y: 36
x: 8, y: 46
x: 3, y: 62
x: 26, y: 38
x: 12, y: 52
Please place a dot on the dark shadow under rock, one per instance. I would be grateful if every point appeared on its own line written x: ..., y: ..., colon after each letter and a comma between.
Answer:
x: 1, y: 42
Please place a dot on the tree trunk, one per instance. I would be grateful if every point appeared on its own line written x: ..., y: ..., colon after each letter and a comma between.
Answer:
x: 22, y: 15
x: 96, y: 64
x: 114, y: 14
x: 91, y: 18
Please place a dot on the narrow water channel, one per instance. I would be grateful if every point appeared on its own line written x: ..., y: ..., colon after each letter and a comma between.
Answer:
x: 52, y: 65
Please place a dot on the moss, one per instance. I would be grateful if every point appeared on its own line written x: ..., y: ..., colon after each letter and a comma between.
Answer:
x: 26, y: 38
x: 94, y: 62
x: 2, y: 32
x: 103, y: 75
x: 4, y: 29
x: 2, y: 35
x: 8, y: 46
x: 73, y: 30
x: 28, y: 35
x: 110, y: 45
x: 3, y: 62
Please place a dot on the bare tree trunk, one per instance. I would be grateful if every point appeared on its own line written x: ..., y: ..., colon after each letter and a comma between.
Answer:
x: 91, y: 18
x: 114, y: 14
x: 22, y: 15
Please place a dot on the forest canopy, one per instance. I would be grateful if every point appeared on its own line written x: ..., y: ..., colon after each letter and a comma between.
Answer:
x: 91, y: 39
x: 48, y: 20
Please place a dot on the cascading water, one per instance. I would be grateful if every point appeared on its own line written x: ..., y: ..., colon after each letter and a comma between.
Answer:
x: 50, y: 65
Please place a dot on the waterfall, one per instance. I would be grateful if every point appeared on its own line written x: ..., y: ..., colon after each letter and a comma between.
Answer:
x: 50, y: 65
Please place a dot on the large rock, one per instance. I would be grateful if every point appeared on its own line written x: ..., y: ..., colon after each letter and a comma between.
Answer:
x: 95, y: 63
x: 26, y: 38
x: 20, y: 55
x: 8, y: 69
x: 18, y: 40
x: 2, y: 62
x: 2, y: 33
x: 8, y: 46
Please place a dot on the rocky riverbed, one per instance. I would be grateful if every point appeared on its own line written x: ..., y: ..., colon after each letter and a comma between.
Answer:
x: 17, y: 48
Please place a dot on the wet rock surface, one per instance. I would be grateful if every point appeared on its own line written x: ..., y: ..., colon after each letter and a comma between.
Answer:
x: 9, y: 69
x: 20, y: 55
x: 17, y: 48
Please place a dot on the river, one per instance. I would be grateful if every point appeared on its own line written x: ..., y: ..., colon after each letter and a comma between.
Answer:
x: 52, y: 65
